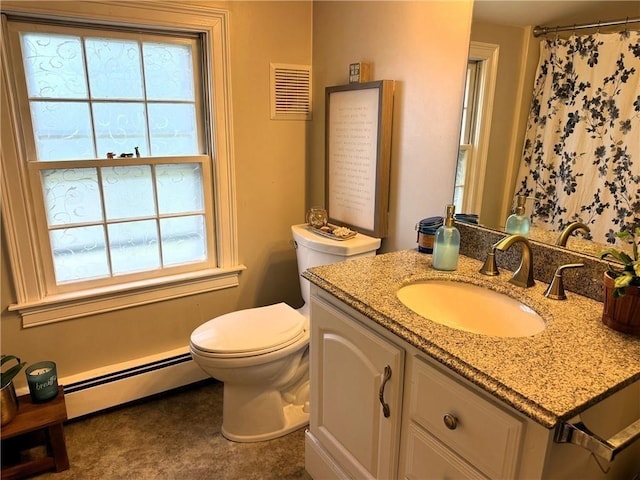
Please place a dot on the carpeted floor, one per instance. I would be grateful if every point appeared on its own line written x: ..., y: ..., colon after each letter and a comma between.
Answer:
x: 175, y: 436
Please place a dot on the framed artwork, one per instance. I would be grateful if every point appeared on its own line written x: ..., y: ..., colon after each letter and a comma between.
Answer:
x: 358, y: 155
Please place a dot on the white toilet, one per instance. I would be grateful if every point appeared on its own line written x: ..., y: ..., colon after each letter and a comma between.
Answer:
x: 262, y: 354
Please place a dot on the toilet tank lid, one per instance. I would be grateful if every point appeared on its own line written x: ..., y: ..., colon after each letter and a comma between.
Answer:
x: 359, y: 244
x: 250, y: 330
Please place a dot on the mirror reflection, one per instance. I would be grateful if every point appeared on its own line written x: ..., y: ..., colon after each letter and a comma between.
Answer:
x: 502, y: 73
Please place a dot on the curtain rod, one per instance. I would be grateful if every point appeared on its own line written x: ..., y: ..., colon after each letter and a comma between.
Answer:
x: 540, y: 30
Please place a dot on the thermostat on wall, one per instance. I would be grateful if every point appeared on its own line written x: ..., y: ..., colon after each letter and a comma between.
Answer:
x: 359, y: 72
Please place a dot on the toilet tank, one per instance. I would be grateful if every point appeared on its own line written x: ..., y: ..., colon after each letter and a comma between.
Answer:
x: 313, y: 250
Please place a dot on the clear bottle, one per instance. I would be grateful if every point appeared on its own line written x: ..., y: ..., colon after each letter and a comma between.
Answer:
x: 518, y: 222
x: 447, y: 243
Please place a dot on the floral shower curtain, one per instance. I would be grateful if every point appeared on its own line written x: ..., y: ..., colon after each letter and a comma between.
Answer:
x: 581, y: 156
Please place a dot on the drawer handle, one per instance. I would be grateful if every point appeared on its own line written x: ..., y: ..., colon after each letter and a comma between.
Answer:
x: 450, y: 421
x: 385, y: 378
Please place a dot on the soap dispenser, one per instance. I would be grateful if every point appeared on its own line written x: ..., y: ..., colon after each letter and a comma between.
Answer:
x: 518, y: 222
x: 447, y: 243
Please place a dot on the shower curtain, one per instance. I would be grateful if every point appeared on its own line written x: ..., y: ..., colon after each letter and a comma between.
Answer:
x: 581, y: 156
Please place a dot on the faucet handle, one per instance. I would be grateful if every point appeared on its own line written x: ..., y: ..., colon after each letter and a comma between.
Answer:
x: 490, y: 267
x: 555, y: 291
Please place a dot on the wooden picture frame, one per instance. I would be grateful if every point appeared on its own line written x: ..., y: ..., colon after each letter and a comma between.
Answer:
x: 358, y: 126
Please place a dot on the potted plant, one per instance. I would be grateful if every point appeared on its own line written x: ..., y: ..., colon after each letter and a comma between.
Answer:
x: 622, y: 286
x: 9, y: 400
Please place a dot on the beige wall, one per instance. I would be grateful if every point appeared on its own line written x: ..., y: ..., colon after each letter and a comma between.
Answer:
x: 270, y: 179
x: 279, y: 164
x: 423, y: 46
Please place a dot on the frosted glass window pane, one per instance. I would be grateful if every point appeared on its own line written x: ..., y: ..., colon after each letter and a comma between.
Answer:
x: 183, y: 239
x: 168, y: 71
x: 62, y: 130
x: 53, y: 65
x: 128, y: 191
x: 179, y: 188
x: 114, y: 68
x: 71, y: 195
x: 120, y: 127
x: 134, y: 246
x: 457, y: 198
x: 79, y: 253
x: 173, y: 129
x: 461, y: 169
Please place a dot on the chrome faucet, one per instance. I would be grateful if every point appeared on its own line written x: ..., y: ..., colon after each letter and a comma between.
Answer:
x: 568, y: 230
x: 523, y: 276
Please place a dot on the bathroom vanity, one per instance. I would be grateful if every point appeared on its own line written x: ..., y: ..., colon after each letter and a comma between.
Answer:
x: 395, y: 395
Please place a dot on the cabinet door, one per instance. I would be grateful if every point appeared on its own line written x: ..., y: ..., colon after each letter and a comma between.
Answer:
x: 347, y: 372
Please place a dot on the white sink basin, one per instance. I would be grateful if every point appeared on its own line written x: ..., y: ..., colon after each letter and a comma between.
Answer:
x: 471, y: 308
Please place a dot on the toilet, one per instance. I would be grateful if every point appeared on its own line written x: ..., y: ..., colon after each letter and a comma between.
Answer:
x: 262, y: 354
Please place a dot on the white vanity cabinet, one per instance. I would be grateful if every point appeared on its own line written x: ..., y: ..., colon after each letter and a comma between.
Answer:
x: 354, y: 373
x: 439, y: 425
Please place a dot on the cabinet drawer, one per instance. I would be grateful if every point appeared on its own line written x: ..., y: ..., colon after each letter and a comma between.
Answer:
x: 479, y: 431
x: 428, y: 458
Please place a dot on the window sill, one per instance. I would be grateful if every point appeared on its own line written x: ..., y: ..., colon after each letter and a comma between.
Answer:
x: 57, y: 308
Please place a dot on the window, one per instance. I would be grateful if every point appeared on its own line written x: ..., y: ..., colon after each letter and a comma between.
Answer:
x: 118, y: 94
x: 465, y: 153
x: 114, y: 143
x: 476, y: 127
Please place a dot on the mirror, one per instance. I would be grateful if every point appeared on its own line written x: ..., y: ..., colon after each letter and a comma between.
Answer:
x: 502, y: 41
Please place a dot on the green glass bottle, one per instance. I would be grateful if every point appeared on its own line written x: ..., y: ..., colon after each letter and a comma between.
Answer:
x: 518, y: 223
x: 446, y: 246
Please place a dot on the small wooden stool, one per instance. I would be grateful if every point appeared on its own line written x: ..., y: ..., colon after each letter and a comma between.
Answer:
x: 37, y: 424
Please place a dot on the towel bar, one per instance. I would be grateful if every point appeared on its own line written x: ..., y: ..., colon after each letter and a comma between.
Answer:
x: 579, y: 434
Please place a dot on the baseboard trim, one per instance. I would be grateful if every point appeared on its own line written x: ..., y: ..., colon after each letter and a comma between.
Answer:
x: 118, y: 384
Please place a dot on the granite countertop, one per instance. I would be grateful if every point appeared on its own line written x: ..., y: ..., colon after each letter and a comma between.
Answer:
x: 550, y: 377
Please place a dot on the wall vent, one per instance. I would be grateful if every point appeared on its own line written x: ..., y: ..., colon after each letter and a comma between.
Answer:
x: 290, y: 92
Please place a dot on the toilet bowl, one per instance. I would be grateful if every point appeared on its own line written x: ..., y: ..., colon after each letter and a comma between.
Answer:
x: 264, y: 369
x: 262, y: 354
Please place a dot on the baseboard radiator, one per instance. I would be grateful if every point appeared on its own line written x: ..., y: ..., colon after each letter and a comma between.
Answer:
x: 103, y: 388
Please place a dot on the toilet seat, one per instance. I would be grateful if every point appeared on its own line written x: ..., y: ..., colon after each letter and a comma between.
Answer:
x: 254, y: 331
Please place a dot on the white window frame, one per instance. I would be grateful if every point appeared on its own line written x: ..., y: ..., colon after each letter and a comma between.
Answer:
x: 486, y: 54
x: 34, y: 302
